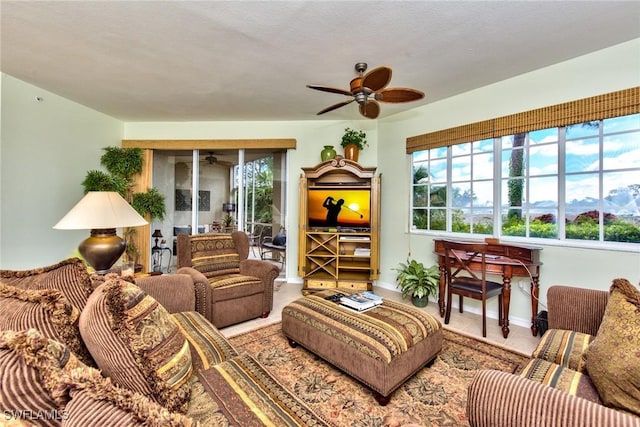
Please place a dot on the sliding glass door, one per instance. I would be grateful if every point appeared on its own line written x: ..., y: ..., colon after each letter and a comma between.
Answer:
x: 221, y: 191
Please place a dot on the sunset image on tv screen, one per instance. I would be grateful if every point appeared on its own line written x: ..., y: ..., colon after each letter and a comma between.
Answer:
x: 339, y: 208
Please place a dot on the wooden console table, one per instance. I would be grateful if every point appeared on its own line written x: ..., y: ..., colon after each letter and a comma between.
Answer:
x: 507, y: 261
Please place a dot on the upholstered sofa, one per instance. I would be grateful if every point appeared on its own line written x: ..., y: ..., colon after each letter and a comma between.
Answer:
x: 239, y: 288
x: 584, y: 372
x: 79, y: 350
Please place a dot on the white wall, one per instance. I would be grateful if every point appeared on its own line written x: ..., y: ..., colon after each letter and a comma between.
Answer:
x: 46, y: 149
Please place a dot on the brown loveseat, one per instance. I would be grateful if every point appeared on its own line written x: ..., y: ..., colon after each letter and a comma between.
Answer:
x: 584, y: 372
x: 239, y: 289
x: 77, y: 350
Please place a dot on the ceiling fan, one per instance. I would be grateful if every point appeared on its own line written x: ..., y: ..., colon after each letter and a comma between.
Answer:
x: 369, y: 89
x: 212, y: 160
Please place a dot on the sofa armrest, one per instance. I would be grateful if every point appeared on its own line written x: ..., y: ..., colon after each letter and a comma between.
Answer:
x: 266, y: 272
x: 176, y: 292
x: 201, y: 288
x: 576, y: 309
x: 498, y: 398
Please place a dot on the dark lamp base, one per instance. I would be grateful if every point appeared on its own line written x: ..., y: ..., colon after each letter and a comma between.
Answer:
x: 102, y: 249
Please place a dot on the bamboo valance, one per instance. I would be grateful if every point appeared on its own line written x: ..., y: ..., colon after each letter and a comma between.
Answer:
x: 599, y: 107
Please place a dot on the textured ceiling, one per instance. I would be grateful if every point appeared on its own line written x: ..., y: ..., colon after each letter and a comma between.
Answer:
x: 246, y: 60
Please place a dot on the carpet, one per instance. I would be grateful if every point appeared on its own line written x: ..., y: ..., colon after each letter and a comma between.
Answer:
x: 435, y: 396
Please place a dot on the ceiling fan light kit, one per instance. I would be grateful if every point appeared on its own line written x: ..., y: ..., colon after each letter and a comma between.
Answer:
x: 367, y: 89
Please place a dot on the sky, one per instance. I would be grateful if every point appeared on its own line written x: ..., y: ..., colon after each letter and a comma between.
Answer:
x: 621, y: 151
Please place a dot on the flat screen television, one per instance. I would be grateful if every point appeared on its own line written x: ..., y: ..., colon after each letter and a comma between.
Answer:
x: 339, y: 208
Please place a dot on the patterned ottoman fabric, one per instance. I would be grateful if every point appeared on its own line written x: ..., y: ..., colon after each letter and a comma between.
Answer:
x: 382, y: 347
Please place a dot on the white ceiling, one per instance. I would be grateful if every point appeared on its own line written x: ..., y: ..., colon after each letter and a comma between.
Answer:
x: 251, y: 60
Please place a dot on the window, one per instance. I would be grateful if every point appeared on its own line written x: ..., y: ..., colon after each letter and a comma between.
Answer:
x: 575, y: 182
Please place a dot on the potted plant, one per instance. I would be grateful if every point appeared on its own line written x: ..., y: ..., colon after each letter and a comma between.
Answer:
x: 353, y: 141
x: 122, y: 164
x: 416, y: 281
x: 227, y: 221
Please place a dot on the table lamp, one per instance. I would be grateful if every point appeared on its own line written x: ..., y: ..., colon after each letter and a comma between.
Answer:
x: 158, y: 235
x: 101, y: 212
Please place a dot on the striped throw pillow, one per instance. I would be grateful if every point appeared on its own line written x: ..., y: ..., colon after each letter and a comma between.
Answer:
x: 46, y: 310
x: 32, y: 368
x: 137, y: 343
x: 561, y: 378
x: 69, y: 277
x: 564, y: 347
x: 96, y: 401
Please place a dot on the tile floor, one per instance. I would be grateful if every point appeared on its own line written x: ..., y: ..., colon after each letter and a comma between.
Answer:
x: 520, y: 339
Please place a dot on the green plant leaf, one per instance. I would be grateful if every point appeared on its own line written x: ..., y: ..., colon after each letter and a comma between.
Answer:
x: 414, y: 279
x: 351, y: 136
x: 150, y: 203
x: 100, y: 181
x: 123, y: 162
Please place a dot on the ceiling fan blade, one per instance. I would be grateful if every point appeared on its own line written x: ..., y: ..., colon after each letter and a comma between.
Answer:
x: 330, y: 89
x: 333, y: 107
x: 377, y: 78
x: 370, y: 109
x: 399, y: 94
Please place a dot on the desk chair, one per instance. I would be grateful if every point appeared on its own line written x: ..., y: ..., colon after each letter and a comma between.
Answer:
x: 465, y: 269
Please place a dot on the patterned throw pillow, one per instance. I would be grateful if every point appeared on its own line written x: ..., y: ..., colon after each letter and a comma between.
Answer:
x: 31, y: 369
x: 136, y: 343
x: 46, y: 310
x: 69, y: 276
x: 613, y: 359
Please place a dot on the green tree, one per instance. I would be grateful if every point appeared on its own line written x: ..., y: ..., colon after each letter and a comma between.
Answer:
x: 260, y: 190
x: 516, y: 182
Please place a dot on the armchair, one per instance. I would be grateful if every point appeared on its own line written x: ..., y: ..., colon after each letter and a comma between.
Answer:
x: 539, y: 394
x: 239, y: 289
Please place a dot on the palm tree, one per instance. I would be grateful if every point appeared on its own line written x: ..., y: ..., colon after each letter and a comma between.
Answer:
x: 516, y: 181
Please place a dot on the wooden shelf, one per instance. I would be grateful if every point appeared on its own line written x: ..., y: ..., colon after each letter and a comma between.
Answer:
x: 339, y: 259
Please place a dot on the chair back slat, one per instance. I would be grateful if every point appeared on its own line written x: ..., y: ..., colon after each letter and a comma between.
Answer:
x: 465, y: 275
x: 462, y: 256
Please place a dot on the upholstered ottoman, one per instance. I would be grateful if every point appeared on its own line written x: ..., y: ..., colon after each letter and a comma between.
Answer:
x: 382, y: 347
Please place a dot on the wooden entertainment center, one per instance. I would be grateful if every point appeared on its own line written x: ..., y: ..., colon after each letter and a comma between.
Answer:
x: 339, y: 250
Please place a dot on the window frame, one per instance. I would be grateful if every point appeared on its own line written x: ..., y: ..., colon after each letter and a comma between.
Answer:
x: 498, y: 179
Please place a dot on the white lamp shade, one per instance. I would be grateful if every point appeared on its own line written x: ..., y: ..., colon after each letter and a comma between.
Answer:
x: 98, y: 210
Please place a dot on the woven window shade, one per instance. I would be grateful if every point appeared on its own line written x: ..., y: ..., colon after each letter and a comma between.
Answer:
x: 599, y: 107
x: 457, y: 135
